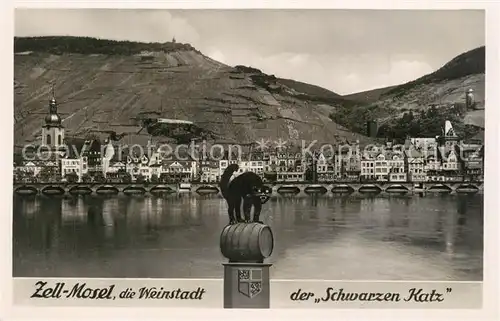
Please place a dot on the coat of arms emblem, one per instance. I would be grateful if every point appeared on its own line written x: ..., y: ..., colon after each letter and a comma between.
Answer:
x: 250, y: 282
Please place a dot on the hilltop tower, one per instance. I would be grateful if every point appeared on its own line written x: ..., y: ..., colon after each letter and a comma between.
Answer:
x: 469, y: 99
x: 53, y: 131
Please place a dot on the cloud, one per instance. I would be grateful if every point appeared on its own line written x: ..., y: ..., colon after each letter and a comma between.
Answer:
x: 342, y: 50
x: 399, y: 72
x: 216, y: 55
x: 133, y: 25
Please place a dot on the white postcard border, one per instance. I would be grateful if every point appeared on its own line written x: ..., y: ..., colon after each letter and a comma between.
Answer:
x: 491, y: 222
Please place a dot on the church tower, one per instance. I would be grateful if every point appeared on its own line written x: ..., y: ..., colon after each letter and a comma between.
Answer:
x: 53, y: 131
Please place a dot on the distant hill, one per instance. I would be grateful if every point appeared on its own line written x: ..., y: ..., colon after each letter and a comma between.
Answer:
x: 469, y: 63
x: 310, y: 90
x: 368, y: 96
x: 419, y: 107
x: 107, y: 88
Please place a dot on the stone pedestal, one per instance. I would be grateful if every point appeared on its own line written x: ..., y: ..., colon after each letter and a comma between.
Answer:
x: 246, y: 286
x: 246, y: 276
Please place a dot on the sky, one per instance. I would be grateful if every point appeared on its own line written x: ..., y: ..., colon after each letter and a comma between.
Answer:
x: 345, y: 51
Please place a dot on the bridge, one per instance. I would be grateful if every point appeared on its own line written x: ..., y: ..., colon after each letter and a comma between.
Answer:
x: 274, y: 188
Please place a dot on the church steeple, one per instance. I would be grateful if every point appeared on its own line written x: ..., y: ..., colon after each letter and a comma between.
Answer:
x: 53, y: 131
x: 53, y: 119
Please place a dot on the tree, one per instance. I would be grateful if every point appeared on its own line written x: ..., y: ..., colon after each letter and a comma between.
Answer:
x: 163, y: 178
x: 19, y: 176
x: 71, y: 177
x: 154, y: 178
x: 309, y: 174
x: 271, y: 176
x: 126, y: 177
x: 86, y: 178
x: 47, y: 174
x: 140, y: 178
x: 99, y: 177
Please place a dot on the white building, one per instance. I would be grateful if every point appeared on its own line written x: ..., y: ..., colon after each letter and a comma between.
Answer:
x: 138, y: 166
x: 367, y: 168
x: 75, y: 161
x: 367, y: 163
x: 210, y: 171
x: 381, y: 168
x: 73, y: 166
x: 115, y: 167
x: 396, y: 164
x: 178, y: 171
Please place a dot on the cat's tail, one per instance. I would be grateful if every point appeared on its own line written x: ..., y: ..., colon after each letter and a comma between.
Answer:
x: 226, y: 178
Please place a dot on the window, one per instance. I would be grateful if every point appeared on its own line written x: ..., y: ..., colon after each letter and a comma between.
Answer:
x: 48, y: 139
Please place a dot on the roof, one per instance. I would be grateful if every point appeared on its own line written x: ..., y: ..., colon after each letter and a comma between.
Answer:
x: 81, y: 145
x: 479, y: 137
x: 175, y: 162
x: 413, y: 153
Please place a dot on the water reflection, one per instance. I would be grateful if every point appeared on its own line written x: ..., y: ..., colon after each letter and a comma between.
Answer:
x: 332, y: 237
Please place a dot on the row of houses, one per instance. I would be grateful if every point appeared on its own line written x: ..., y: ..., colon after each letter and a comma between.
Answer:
x: 415, y: 163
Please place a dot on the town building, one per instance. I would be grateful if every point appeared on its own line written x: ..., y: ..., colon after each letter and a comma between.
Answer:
x: 138, y: 167
x: 367, y: 164
x: 450, y: 165
x: 290, y: 167
x: 423, y: 142
x: 92, y: 150
x: 177, y: 171
x: 75, y: 161
x: 27, y: 171
x: 415, y: 161
x: 325, y: 167
x: 397, y: 168
x: 209, y: 171
x: 381, y: 167
x: 471, y: 158
x: 433, y: 168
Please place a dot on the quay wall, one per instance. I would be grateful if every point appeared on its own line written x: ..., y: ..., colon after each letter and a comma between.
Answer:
x: 273, y: 189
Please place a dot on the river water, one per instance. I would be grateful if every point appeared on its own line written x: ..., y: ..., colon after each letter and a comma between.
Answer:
x: 431, y: 237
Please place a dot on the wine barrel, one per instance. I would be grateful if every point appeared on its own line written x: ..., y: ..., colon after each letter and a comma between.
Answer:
x: 246, y: 242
